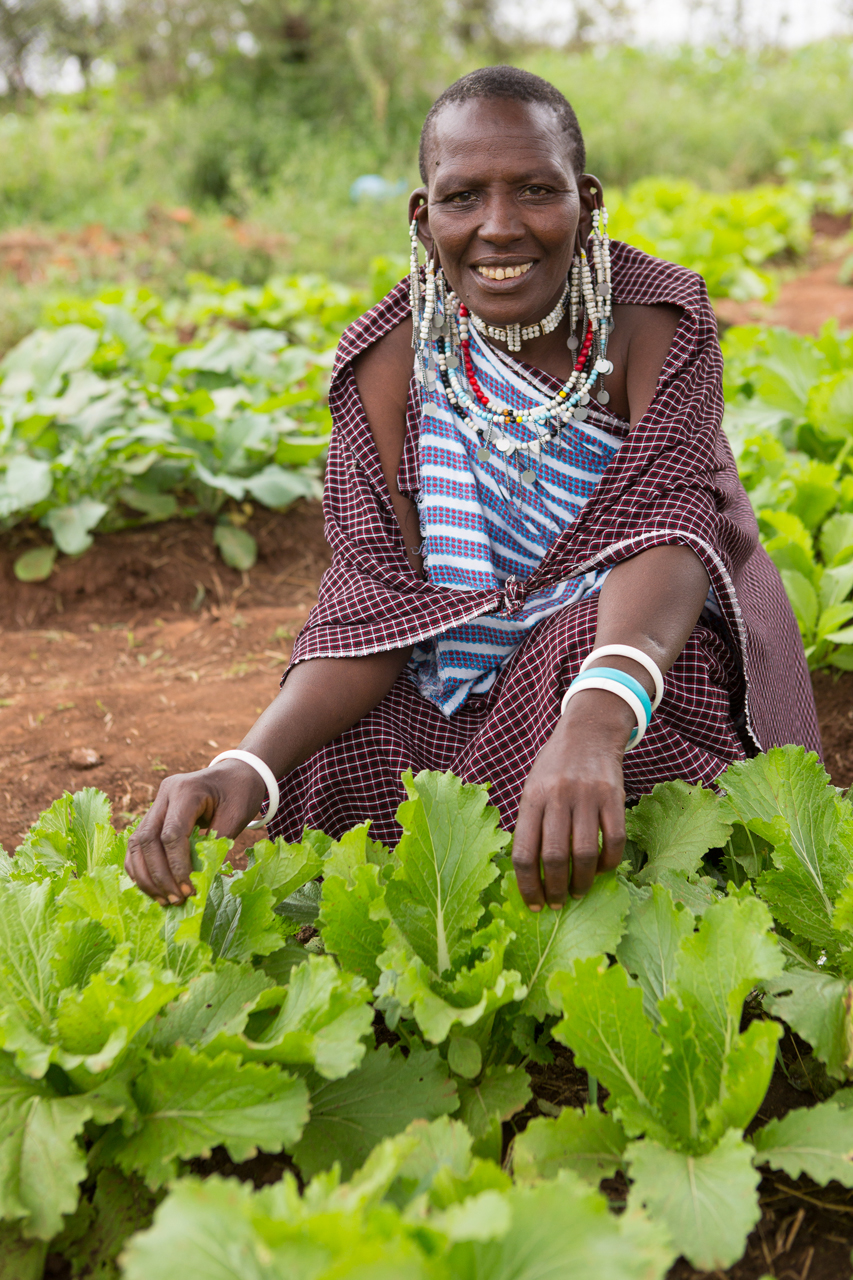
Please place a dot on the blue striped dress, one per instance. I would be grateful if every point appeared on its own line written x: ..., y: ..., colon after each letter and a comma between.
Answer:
x: 482, y: 526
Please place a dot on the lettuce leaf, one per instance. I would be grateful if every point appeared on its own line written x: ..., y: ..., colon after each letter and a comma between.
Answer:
x: 450, y: 835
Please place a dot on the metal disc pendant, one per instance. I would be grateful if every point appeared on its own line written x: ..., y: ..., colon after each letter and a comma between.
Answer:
x: 584, y: 399
x: 504, y: 445
x: 572, y: 343
x: 483, y: 454
x: 603, y: 365
x: 580, y: 413
x: 528, y: 476
x: 452, y: 362
x: 603, y: 289
x: 603, y: 396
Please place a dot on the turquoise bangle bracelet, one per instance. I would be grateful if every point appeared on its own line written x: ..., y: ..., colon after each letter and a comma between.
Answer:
x: 611, y: 673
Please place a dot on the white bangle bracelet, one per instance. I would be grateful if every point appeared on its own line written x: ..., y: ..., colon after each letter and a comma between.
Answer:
x: 269, y: 781
x: 611, y: 686
x: 637, y: 655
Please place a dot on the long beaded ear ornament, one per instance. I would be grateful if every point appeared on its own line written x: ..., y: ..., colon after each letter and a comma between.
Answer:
x: 441, y: 325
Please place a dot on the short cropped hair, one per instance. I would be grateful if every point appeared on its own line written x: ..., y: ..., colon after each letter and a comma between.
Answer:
x: 518, y: 86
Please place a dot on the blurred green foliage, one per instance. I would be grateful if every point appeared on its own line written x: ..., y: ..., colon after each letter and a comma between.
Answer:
x: 130, y: 408
x: 789, y: 418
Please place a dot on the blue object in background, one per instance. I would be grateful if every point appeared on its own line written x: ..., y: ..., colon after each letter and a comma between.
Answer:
x: 370, y: 186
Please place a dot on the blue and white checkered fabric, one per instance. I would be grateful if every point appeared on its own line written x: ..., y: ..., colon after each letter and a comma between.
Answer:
x: 481, y: 525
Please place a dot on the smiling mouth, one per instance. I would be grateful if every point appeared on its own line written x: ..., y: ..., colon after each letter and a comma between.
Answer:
x: 504, y: 273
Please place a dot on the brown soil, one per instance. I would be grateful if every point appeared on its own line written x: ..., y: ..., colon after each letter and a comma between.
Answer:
x: 805, y: 302
x: 147, y: 652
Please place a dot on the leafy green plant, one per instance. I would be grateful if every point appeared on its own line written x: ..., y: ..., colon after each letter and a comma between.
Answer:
x: 113, y: 418
x: 134, y: 1040
x: 728, y: 238
x: 789, y: 417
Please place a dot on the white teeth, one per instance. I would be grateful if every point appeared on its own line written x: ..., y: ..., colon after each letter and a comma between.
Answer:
x: 505, y: 273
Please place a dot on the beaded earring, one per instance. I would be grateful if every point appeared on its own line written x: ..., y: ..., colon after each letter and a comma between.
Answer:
x: 414, y: 279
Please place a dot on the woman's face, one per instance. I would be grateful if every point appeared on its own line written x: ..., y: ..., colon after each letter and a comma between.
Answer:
x: 503, y: 206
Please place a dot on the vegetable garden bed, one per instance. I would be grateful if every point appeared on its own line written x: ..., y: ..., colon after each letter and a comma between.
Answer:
x: 400, y: 1014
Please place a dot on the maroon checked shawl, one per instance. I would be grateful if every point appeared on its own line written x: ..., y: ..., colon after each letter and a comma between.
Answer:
x: 674, y: 480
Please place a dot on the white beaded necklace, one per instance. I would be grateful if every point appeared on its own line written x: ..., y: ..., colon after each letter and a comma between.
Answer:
x: 514, y: 334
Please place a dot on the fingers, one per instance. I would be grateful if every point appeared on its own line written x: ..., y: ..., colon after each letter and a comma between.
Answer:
x: 556, y: 832
x: 525, y: 853
x: 585, y: 827
x: 158, y: 856
x: 556, y: 847
x: 612, y: 822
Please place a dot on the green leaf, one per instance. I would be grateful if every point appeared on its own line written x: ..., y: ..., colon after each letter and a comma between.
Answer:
x: 483, y: 1107
x: 215, y: 1003
x: 275, y: 487
x: 547, y: 942
x: 190, y: 1103
x: 605, y: 1027
x: 588, y: 1142
x: 203, y: 1229
x: 71, y: 526
x: 464, y: 1057
x: 708, y: 1204
x: 563, y: 1228
x: 803, y: 598
x: 348, y: 930
x: 469, y: 997
x: 785, y: 797
x: 816, y: 1006
x: 322, y: 1021
x: 220, y: 1230
x: 94, y: 1237
x: 45, y: 355
x: 133, y: 920
x: 41, y: 1163
x: 23, y: 1259
x: 817, y: 1141
x: 378, y: 1100
x: 836, y: 539
x: 676, y: 825
x: 717, y: 967
x: 649, y: 947
x: 355, y: 849
x: 35, y: 565
x: 450, y: 836
x: 236, y: 546
x: 28, y: 992
x: 99, y: 1021
x: 282, y: 868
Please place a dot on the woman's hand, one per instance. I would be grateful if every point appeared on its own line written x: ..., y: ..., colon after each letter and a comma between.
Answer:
x: 224, y: 798
x: 573, y: 792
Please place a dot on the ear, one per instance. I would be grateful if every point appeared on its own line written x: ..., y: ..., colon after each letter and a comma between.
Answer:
x: 418, y: 208
x: 591, y: 197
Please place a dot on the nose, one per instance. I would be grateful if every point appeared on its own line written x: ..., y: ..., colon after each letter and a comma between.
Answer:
x: 502, y: 224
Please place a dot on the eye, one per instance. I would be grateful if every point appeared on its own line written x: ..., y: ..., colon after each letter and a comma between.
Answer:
x: 535, y: 189
x: 462, y: 197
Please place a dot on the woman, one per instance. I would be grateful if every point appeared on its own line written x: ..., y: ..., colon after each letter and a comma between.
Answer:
x: 550, y: 488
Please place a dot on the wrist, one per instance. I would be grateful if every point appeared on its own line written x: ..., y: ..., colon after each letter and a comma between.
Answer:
x: 238, y: 782
x: 599, y: 717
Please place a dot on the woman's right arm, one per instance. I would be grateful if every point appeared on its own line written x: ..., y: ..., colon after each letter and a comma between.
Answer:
x: 321, y: 698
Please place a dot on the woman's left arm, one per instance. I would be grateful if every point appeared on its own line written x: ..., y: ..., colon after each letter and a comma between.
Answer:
x: 652, y: 602
x: 574, y: 790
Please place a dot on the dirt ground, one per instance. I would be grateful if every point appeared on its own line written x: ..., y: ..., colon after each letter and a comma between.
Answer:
x: 145, y: 657
x: 807, y: 300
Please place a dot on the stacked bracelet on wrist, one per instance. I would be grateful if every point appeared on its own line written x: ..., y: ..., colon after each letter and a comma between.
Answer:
x: 624, y: 686
x: 269, y: 781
